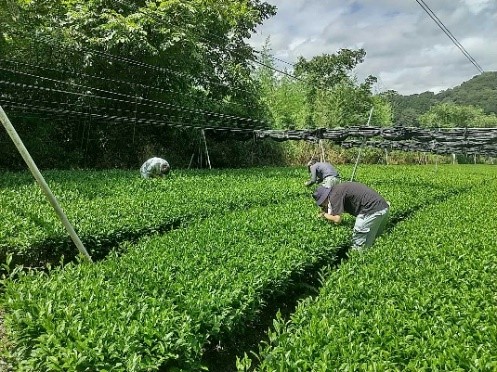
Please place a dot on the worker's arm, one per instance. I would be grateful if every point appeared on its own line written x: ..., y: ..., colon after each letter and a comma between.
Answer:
x: 313, y: 170
x: 336, y: 218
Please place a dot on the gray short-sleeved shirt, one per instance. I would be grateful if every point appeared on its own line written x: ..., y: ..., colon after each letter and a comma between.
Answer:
x: 355, y: 198
x: 321, y: 170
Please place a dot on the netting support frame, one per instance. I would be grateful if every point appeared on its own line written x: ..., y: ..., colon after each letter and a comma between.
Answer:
x: 42, y: 183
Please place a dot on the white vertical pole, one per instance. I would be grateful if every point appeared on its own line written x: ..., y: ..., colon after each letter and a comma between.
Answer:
x: 191, y: 160
x: 206, y: 150
x: 321, y: 146
x: 360, y: 148
x: 41, y: 181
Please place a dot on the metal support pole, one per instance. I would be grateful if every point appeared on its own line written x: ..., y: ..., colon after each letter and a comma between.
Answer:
x: 321, y: 146
x: 191, y: 160
x: 206, y: 150
x: 360, y: 148
x: 41, y: 181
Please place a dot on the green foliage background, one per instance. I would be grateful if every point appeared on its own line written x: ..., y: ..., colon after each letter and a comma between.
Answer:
x: 480, y: 91
x: 107, y: 84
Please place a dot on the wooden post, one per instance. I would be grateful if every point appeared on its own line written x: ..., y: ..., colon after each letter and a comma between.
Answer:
x: 41, y: 182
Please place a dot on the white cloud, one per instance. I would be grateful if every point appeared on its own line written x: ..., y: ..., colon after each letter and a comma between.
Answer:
x: 296, y: 43
x: 405, y: 49
x: 477, y: 6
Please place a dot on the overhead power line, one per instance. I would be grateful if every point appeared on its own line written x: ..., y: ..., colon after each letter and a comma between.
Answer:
x: 257, y: 61
x: 139, y: 64
x: 89, y: 91
x: 127, y: 99
x: 439, y: 23
x: 132, y: 84
x: 285, y: 62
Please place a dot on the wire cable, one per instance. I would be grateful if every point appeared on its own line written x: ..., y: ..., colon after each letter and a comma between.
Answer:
x: 131, y: 99
x: 131, y: 84
x: 439, y: 23
x: 149, y: 66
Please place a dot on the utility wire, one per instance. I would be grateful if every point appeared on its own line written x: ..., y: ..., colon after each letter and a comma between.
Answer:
x: 439, y: 23
x: 280, y: 60
x: 125, y: 119
x: 130, y: 115
x: 161, y: 69
x: 255, y: 60
x: 132, y: 84
x: 130, y: 99
x: 211, y: 118
x: 149, y: 66
x: 139, y: 100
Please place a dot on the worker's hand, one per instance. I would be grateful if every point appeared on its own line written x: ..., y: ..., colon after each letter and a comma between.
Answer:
x: 320, y: 214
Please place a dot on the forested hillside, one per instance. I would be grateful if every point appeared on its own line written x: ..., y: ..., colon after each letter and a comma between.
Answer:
x: 480, y: 91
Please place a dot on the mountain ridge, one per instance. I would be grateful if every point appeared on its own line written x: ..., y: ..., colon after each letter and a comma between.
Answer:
x: 479, y: 91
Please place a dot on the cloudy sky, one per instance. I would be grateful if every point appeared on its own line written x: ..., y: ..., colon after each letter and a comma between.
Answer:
x: 405, y: 49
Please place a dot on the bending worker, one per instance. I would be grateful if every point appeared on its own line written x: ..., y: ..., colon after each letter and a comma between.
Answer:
x: 155, y: 167
x: 322, y: 172
x: 370, y: 209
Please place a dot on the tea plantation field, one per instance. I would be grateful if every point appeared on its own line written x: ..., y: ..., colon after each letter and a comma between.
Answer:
x: 190, y: 271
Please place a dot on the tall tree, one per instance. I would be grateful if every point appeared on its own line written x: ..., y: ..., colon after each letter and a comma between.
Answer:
x: 450, y: 115
x: 334, y: 97
x: 133, y: 63
x: 283, y: 95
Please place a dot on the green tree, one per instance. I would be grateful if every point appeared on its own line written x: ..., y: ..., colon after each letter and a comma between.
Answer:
x: 306, y: 102
x: 198, y: 43
x: 282, y: 95
x: 328, y: 70
x: 480, y: 91
x: 122, y: 65
x: 324, y: 73
x: 450, y: 115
